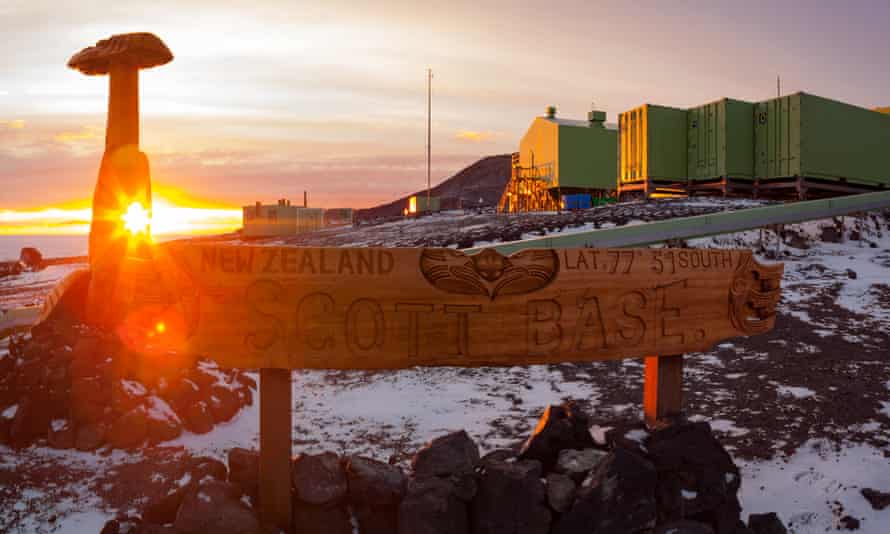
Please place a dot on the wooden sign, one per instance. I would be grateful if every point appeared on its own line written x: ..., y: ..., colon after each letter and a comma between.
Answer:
x: 377, y: 308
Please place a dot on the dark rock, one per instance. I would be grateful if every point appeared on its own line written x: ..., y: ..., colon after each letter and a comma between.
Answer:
x: 630, y: 436
x: 31, y: 421
x: 319, y: 478
x: 561, y: 427
x: 374, y: 482
x: 465, y: 486
x: 375, y: 490
x: 111, y: 527
x: 684, y: 526
x: 877, y: 499
x: 617, y: 497
x: 127, y: 395
x: 90, y: 436
x: 162, y: 510
x: 129, y: 430
x: 830, y: 234
x: 224, y: 403
x: 31, y: 259
x: 314, y: 519
x: 766, y: 524
x: 153, y: 528
x: 697, y: 478
x: 216, y: 507
x: 452, y: 454
x: 163, y: 423
x: 848, y: 523
x: 244, y: 470
x: 61, y: 434
x: 576, y: 464
x: 498, y: 456
x: 560, y: 492
x: 198, y: 418
x: 851, y: 274
x: 203, y: 466
x: 511, y: 500
x: 432, y: 507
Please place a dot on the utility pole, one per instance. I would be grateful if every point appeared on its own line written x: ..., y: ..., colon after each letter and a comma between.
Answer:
x: 429, y: 103
x: 778, y: 86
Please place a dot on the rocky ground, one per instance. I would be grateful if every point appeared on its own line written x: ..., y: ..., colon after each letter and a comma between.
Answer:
x: 804, y: 410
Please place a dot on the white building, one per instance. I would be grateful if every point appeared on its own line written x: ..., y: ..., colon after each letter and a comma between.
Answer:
x: 280, y: 219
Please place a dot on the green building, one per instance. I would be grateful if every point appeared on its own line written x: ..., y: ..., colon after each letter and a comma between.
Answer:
x: 571, y: 155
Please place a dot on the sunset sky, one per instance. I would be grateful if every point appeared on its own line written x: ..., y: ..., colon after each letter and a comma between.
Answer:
x: 267, y: 98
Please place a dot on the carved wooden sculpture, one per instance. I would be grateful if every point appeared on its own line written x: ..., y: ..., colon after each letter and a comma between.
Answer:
x: 124, y: 175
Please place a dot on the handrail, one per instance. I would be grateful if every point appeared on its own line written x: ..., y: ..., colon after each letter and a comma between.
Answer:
x: 701, y: 225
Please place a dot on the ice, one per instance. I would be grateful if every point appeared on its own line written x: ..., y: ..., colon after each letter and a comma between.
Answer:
x: 797, y: 392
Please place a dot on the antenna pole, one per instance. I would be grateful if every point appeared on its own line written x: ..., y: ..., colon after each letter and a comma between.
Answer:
x: 429, y: 102
x: 778, y: 86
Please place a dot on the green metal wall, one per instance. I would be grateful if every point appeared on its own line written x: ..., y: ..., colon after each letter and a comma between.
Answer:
x: 588, y: 157
x: 814, y: 137
x: 653, y: 144
x: 720, y: 140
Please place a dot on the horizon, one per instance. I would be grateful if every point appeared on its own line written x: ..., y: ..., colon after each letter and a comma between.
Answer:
x: 263, y: 102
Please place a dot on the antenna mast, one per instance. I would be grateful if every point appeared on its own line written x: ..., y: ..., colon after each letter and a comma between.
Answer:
x: 429, y: 102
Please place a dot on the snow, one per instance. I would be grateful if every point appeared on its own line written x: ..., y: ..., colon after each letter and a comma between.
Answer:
x: 58, y: 424
x: 133, y: 388
x: 689, y: 495
x: 10, y: 412
x: 796, y: 392
x: 800, y: 488
x: 159, y: 410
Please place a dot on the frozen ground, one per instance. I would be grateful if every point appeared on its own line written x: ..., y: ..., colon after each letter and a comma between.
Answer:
x: 804, y: 409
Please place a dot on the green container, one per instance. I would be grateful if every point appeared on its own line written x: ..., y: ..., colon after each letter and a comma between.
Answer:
x: 720, y: 140
x: 804, y: 135
x: 652, y: 141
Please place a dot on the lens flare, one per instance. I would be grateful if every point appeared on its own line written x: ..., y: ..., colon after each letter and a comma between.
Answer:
x: 136, y: 219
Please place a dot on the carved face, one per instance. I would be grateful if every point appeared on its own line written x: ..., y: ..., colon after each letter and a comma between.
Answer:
x: 490, y: 265
x: 754, y: 295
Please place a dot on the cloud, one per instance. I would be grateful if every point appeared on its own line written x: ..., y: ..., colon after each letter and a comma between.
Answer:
x: 473, y: 136
x: 84, y: 134
x: 17, y: 124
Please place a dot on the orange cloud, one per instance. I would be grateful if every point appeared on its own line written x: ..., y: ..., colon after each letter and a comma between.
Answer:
x: 17, y: 124
x: 474, y: 136
x: 84, y: 134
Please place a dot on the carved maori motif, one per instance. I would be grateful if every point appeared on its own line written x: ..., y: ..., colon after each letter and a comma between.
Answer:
x: 489, y: 273
x: 754, y: 294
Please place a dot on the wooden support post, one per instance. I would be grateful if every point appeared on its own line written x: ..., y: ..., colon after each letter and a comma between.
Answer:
x: 662, y: 387
x: 275, y: 447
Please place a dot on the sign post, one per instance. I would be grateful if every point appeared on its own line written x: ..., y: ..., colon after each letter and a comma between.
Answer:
x: 283, y: 308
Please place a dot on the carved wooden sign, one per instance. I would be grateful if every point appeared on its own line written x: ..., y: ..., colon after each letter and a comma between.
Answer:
x: 372, y: 308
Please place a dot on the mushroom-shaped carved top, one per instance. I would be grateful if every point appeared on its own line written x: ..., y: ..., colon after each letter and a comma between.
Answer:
x: 139, y: 50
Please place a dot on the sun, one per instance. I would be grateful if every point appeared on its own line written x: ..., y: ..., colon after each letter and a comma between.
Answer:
x: 136, y: 219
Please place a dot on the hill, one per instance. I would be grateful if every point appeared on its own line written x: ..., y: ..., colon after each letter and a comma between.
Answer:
x: 484, y: 179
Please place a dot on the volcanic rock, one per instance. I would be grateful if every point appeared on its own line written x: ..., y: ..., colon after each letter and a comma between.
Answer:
x: 561, y: 427
x: 576, y: 464
x: 877, y: 499
x: 432, y: 507
x: 683, y: 526
x: 697, y: 478
x: 617, y: 497
x: 452, y: 454
x: 848, y: 523
x: 198, y: 418
x: 244, y: 470
x: 319, y: 478
x: 163, y: 423
x: 314, y: 519
x: 215, y: 506
x: 511, y: 499
x: 61, y: 434
x: 129, y: 430
x: 560, y: 492
x: 766, y: 524
x: 224, y: 403
x: 375, y: 490
x: 90, y: 436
